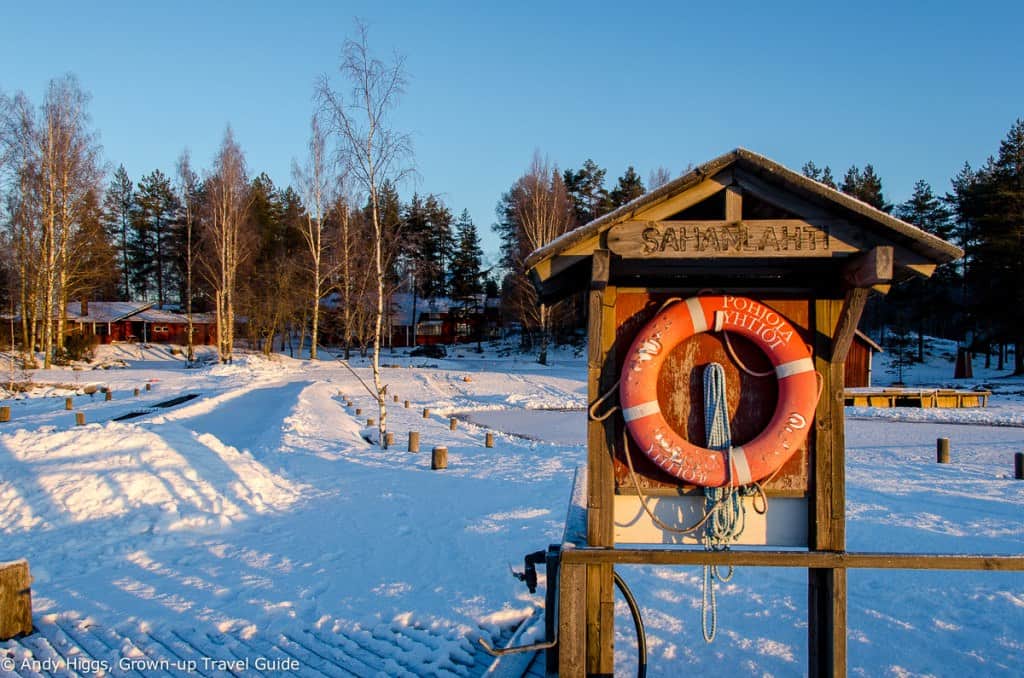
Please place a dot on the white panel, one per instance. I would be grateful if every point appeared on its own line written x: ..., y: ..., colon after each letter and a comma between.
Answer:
x: 785, y: 524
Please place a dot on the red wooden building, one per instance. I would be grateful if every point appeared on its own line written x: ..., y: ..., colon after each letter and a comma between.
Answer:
x: 131, y: 321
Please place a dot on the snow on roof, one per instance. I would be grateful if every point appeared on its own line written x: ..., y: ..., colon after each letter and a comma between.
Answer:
x: 106, y: 311
x: 401, y: 306
x: 156, y: 315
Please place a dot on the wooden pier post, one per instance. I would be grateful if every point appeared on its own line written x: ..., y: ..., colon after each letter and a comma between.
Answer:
x: 489, y: 440
x: 453, y: 423
x: 439, y: 458
x: 414, y: 441
x: 79, y: 418
x: 942, y: 450
x: 389, y: 439
x: 15, y: 599
x: 426, y: 413
x: 69, y: 404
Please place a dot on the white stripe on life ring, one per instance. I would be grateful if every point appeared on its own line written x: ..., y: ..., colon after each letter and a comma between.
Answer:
x: 739, y: 462
x: 794, y: 367
x: 700, y: 323
x: 641, y: 410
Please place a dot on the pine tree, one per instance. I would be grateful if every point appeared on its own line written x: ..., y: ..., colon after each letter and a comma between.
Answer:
x: 628, y: 187
x: 93, y: 262
x: 586, y: 189
x: 827, y: 178
x: 917, y: 299
x: 468, y: 258
x: 152, y: 252
x: 866, y: 186
x: 824, y: 176
x: 118, y: 206
x: 1005, y: 203
x: 429, y: 244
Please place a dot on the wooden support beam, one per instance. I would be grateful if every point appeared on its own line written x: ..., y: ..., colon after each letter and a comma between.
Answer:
x: 600, y: 523
x: 600, y: 618
x: 826, y: 624
x: 849, y: 317
x: 733, y: 203
x: 572, y: 620
x: 802, y: 559
x: 871, y: 268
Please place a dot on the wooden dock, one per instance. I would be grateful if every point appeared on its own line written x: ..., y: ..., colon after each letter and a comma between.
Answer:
x: 915, y: 397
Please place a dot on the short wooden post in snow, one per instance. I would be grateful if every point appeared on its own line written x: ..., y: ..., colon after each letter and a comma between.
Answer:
x: 69, y: 404
x: 396, y: 398
x: 406, y: 404
x: 489, y: 440
x: 149, y: 387
x: 439, y: 458
x: 942, y: 450
x: 453, y: 423
x: 5, y: 414
x: 426, y: 412
x: 79, y: 418
x: 109, y: 395
x: 359, y: 411
x: 414, y: 441
x: 15, y: 599
x: 389, y: 439
x: 370, y: 423
x: 135, y: 393
x: 1018, y: 465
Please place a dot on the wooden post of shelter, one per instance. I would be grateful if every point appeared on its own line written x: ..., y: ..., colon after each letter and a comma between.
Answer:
x: 738, y: 227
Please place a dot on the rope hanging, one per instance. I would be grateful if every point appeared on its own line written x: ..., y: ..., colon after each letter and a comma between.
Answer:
x: 723, y: 504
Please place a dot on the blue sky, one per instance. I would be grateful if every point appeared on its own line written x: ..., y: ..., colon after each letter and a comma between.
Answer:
x: 916, y: 93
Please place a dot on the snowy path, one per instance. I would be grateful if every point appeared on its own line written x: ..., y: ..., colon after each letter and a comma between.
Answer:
x: 255, y: 523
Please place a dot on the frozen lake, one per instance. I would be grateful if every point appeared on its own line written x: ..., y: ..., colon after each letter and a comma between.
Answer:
x: 559, y: 427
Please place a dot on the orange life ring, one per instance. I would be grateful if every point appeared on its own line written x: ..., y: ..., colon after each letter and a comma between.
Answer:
x: 793, y: 366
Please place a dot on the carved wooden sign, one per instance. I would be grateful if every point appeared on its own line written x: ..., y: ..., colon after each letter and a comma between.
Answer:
x: 704, y: 239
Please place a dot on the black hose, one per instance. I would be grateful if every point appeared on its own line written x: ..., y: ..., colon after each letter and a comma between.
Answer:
x: 638, y: 622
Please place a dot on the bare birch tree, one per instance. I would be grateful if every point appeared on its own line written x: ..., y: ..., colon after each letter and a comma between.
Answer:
x: 188, y: 186
x: 227, y: 242
x: 373, y: 151
x: 57, y: 161
x: 317, y: 188
x: 19, y: 177
x: 541, y: 209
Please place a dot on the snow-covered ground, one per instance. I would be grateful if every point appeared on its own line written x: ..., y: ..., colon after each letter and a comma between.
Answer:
x: 253, y: 529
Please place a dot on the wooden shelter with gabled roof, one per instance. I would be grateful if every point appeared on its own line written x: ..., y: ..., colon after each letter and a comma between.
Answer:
x: 777, y: 226
x: 739, y: 226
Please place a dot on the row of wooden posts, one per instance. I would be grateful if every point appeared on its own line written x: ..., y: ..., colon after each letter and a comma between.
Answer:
x: 942, y: 457
x: 69, y: 404
x: 439, y: 454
